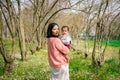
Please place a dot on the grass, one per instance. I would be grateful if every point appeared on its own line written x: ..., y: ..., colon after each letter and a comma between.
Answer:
x: 36, y: 67
x: 1, y: 65
x: 81, y: 69
x: 113, y: 43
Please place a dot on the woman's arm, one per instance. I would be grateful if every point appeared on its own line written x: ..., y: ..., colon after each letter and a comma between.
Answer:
x: 61, y: 47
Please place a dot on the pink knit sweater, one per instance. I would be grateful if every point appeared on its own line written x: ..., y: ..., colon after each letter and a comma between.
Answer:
x: 56, y: 51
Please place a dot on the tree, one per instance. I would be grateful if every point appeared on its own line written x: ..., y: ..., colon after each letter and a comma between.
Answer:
x: 21, y: 34
x: 8, y: 56
x: 100, y: 32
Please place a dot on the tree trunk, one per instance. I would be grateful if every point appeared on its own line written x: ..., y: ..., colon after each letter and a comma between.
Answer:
x: 7, y: 58
x: 94, y: 49
x: 21, y: 35
x: 86, y: 46
x: 12, y: 22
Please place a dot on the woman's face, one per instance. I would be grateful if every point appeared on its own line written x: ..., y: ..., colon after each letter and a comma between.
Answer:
x: 55, y: 30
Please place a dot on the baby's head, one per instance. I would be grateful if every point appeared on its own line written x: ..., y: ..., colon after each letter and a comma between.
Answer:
x: 65, y: 30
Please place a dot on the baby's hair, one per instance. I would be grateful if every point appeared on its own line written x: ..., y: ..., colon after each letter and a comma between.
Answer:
x: 65, y: 27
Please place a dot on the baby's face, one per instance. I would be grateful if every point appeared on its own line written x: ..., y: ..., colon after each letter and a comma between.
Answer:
x: 64, y: 31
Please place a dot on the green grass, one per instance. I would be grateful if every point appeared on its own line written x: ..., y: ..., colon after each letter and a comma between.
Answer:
x: 36, y: 67
x: 113, y: 43
x: 81, y: 69
x: 1, y: 65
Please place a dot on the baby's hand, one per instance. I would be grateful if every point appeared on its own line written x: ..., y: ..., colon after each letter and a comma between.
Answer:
x: 67, y: 57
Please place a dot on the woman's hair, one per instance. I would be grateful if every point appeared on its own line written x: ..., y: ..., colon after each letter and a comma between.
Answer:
x: 65, y: 27
x: 49, y: 30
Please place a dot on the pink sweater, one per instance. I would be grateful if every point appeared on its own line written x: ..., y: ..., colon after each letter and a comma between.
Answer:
x: 56, y: 51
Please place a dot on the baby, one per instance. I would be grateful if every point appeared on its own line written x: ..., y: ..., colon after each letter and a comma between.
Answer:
x: 65, y: 38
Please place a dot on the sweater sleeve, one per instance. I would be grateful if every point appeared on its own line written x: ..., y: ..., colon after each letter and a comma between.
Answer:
x: 61, y: 47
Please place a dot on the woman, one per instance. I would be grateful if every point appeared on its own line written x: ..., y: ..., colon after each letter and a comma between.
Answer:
x: 56, y: 54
